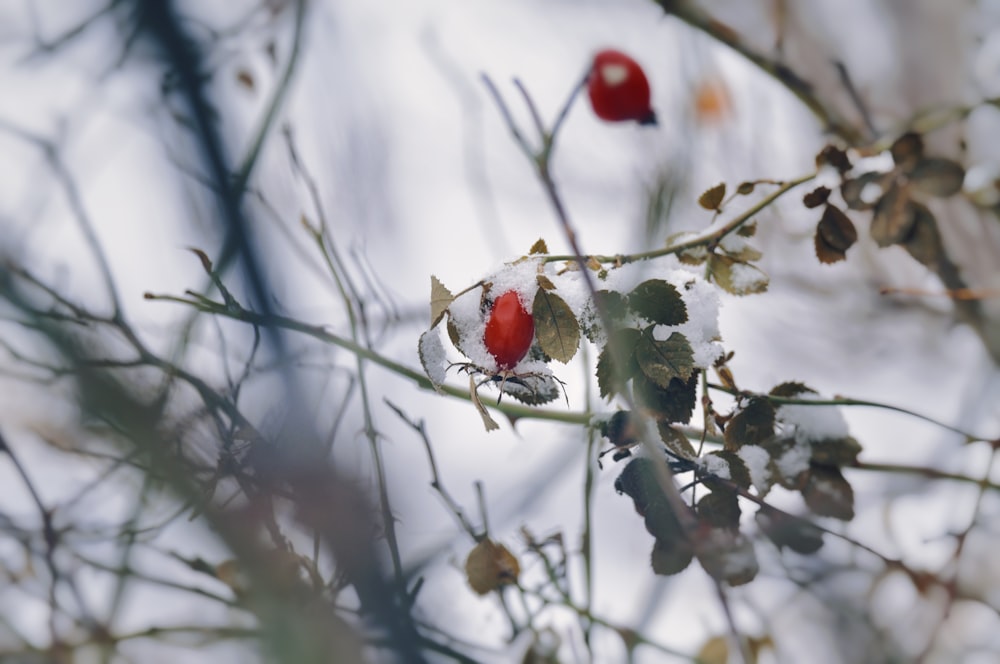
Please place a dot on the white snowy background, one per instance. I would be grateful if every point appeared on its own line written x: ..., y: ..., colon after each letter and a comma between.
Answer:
x: 420, y: 176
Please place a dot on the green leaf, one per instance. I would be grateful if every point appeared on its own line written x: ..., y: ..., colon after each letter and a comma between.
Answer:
x: 556, y: 328
x: 659, y: 302
x: 673, y: 404
x: 612, y: 303
x: 623, y: 342
x: 827, y: 493
x: 938, y: 177
x: 907, y: 150
x: 752, y: 425
x: 441, y: 299
x: 662, y: 361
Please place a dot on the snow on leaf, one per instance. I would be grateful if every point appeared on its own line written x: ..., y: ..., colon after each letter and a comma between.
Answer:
x: 432, y: 356
x: 659, y: 302
x: 735, y: 277
x: 753, y: 424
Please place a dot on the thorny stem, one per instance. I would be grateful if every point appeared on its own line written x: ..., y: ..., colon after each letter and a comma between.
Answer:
x: 356, y: 319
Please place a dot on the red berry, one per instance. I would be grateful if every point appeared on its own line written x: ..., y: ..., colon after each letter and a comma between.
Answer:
x: 509, y: 330
x: 618, y: 89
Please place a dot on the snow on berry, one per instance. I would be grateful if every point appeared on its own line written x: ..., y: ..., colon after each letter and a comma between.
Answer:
x: 618, y: 89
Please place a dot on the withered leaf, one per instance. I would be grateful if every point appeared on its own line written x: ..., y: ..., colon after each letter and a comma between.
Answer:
x: 714, y: 651
x: 675, y: 441
x: 490, y: 566
x: 245, y: 78
x: 659, y: 302
x: 539, y: 247
x: 854, y: 191
x: 752, y: 425
x: 894, y: 217
x: 837, y: 452
x: 924, y: 241
x: 784, y: 530
x: 736, y: 277
x: 488, y: 421
x: 441, y: 299
x: 837, y: 229
x: 720, y: 509
x: 746, y: 188
x: 712, y: 198
x: 545, y: 283
x: 834, y: 157
x: 907, y: 150
x: 827, y: 493
x: 938, y: 177
x: 835, y: 234
x: 816, y: 197
x: 556, y: 328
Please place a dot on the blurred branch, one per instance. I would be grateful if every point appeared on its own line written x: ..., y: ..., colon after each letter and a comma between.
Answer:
x: 688, y: 12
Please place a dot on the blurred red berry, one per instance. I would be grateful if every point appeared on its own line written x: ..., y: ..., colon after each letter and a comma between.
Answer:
x: 509, y: 330
x: 618, y: 89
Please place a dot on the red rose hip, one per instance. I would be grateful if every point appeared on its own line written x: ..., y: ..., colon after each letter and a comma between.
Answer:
x: 618, y: 89
x: 509, y: 330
